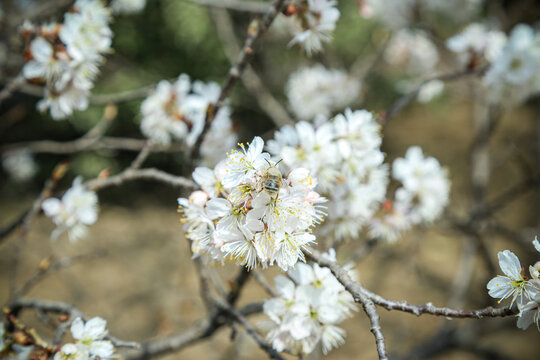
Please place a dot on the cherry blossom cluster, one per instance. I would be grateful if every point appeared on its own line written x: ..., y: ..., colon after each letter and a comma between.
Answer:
x: 89, y: 341
x: 177, y: 111
x: 310, y: 306
x: 524, y: 291
x: 514, y: 74
x: 65, y: 57
x: 74, y: 212
x: 415, y: 53
x: 421, y: 198
x: 317, y: 91
x: 19, y: 164
x: 398, y: 14
x: 312, y: 23
x: 249, y: 213
x: 344, y: 154
x: 476, y: 45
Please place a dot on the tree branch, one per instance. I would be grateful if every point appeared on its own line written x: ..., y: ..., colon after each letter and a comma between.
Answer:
x: 408, y: 98
x: 358, y: 291
x: 236, y: 5
x: 62, y: 308
x: 256, y: 28
x: 137, y: 174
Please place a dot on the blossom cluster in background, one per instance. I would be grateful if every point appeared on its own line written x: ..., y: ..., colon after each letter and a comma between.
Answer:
x: 65, y: 57
x: 398, y: 14
x: 344, y: 155
x: 477, y: 45
x: 74, y: 212
x: 19, y: 164
x: 317, y: 91
x: 177, y: 111
x: 514, y: 74
x: 89, y: 343
x: 308, y: 309
x: 414, y: 52
x: 249, y: 213
x: 421, y: 197
x: 312, y: 23
x: 524, y: 291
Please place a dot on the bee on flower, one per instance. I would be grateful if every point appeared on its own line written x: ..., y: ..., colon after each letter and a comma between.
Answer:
x: 250, y: 212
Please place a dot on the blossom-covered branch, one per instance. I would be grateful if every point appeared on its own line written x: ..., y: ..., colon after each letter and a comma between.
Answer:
x: 62, y: 308
x: 359, y: 292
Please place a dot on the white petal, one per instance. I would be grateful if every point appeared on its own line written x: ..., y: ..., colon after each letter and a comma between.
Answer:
x: 499, y: 286
x: 51, y: 206
x: 103, y: 349
x: 510, y: 264
x: 95, y: 328
x: 536, y: 244
x: 217, y: 207
x: 77, y: 328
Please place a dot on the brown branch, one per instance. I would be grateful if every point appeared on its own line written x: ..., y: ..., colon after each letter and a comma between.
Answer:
x: 256, y: 28
x: 123, y: 96
x: 138, y: 174
x: 240, y: 319
x: 236, y: 5
x: 408, y: 98
x: 360, y: 296
x: 45, y: 269
x: 264, y: 284
x: 250, y: 79
x: 105, y: 143
x: 26, y: 220
x: 62, y: 308
x: 358, y: 291
x: 11, y: 87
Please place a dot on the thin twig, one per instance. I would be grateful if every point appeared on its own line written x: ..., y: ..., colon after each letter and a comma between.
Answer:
x: 236, y: 5
x: 259, y: 277
x: 357, y: 290
x: 250, y: 79
x: 12, y: 86
x: 142, y: 155
x: 406, y: 99
x: 201, y: 330
x: 24, y: 225
x: 256, y: 28
x: 360, y: 295
x: 105, y: 143
x: 62, y: 308
x: 58, y: 265
x: 138, y: 174
x: 240, y: 319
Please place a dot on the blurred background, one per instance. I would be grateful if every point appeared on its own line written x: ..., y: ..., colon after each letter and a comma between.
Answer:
x: 143, y: 281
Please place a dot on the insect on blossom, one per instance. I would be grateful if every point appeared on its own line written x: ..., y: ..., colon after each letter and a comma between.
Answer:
x: 250, y: 213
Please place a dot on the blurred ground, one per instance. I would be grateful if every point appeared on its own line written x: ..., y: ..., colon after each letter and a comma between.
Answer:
x: 146, y: 287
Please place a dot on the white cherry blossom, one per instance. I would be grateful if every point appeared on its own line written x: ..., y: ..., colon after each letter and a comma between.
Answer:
x: 76, y: 210
x: 90, y: 337
x: 314, y: 24
x: 317, y: 91
x: 308, y: 310
x: 237, y: 218
x: 513, y: 284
